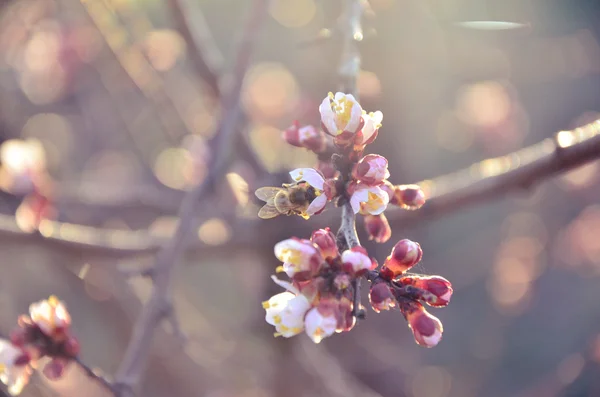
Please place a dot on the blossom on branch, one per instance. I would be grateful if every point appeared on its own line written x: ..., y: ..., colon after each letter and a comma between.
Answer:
x: 44, y: 333
x: 369, y: 200
x: 371, y: 170
x: 301, y: 258
x: 315, y: 180
x: 340, y: 114
x: 427, y: 329
x: 378, y: 228
x: 286, y: 312
x: 307, y: 137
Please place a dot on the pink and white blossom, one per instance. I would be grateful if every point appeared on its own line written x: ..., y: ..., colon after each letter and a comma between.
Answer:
x: 51, y: 316
x: 369, y: 199
x: 371, y: 170
x: 299, y: 257
x: 320, y: 325
x: 316, y: 180
x: 286, y: 311
x: 427, y: 329
x: 307, y: 137
x: 14, y: 369
x: 340, y: 113
x: 371, y: 124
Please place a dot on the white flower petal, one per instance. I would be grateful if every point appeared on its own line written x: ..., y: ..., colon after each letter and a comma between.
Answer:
x: 359, y: 196
x: 285, y: 284
x: 328, y: 116
x: 317, y: 205
x: 318, y: 326
x: 358, y: 260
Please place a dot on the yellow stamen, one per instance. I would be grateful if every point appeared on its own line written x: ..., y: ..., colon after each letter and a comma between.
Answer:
x: 277, y: 319
x: 266, y: 305
x: 53, y: 300
x: 277, y: 334
x: 279, y: 269
x: 2, y: 367
x: 283, y: 328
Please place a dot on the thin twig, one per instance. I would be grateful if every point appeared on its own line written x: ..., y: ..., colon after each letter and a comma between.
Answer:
x: 493, y: 179
x: 158, y: 306
x: 95, y: 376
x: 203, y: 52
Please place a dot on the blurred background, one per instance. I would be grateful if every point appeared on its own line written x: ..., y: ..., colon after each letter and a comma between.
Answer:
x: 114, y: 93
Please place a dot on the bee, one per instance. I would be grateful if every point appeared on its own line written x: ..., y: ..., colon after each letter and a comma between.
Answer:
x: 290, y: 199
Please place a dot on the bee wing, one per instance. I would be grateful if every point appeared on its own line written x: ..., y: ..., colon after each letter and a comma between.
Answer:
x: 267, y: 193
x: 268, y: 211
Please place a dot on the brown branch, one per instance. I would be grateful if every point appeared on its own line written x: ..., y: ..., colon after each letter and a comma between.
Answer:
x: 492, y: 179
x: 158, y: 306
x: 203, y: 52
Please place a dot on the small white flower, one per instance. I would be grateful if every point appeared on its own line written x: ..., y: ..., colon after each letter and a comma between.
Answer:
x: 297, y: 255
x: 369, y: 199
x: 358, y: 260
x: 372, y: 123
x: 50, y: 315
x: 319, y: 326
x: 340, y: 112
x: 316, y: 180
x: 286, y: 312
x: 15, y: 377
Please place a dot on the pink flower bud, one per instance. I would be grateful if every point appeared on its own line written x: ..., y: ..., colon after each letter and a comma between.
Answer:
x: 408, y: 197
x: 434, y: 290
x: 325, y: 240
x: 371, y: 170
x: 426, y: 328
x: 405, y: 254
x: 327, y: 169
x: 55, y: 368
x: 307, y: 137
x: 345, y: 318
x: 381, y: 297
x: 378, y: 228
x: 330, y: 188
x: 356, y: 261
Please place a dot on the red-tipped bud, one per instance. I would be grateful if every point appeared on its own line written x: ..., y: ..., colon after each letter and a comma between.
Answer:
x: 19, y: 336
x: 345, y: 318
x: 371, y: 170
x: 378, y: 228
x: 426, y: 328
x: 330, y: 188
x: 434, y: 290
x: 71, y: 347
x: 381, y: 297
x: 405, y: 254
x: 325, y: 240
x: 356, y: 261
x: 327, y: 169
x: 55, y: 368
x: 408, y: 197
x: 307, y: 137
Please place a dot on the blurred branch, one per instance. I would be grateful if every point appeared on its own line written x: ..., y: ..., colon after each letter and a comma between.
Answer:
x: 492, y: 179
x: 93, y: 375
x: 202, y: 49
x: 159, y: 306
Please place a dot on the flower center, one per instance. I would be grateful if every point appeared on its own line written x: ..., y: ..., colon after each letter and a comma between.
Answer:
x: 342, y: 109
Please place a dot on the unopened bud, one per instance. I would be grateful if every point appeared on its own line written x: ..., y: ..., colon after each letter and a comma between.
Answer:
x: 405, y: 254
x: 378, y: 228
x: 381, y: 297
x: 408, y: 197
x: 325, y: 240
x: 307, y: 137
x: 330, y: 188
x: 371, y: 170
x: 426, y: 328
x: 55, y: 368
x: 434, y: 290
x: 327, y: 169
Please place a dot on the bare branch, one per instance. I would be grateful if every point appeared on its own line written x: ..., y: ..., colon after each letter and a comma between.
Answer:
x: 158, y: 306
x: 94, y: 375
x: 492, y: 179
x: 203, y: 52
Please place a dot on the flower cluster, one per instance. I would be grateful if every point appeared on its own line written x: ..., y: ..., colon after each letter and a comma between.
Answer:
x: 347, y: 175
x: 44, y: 333
x: 319, y: 298
x: 322, y: 296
